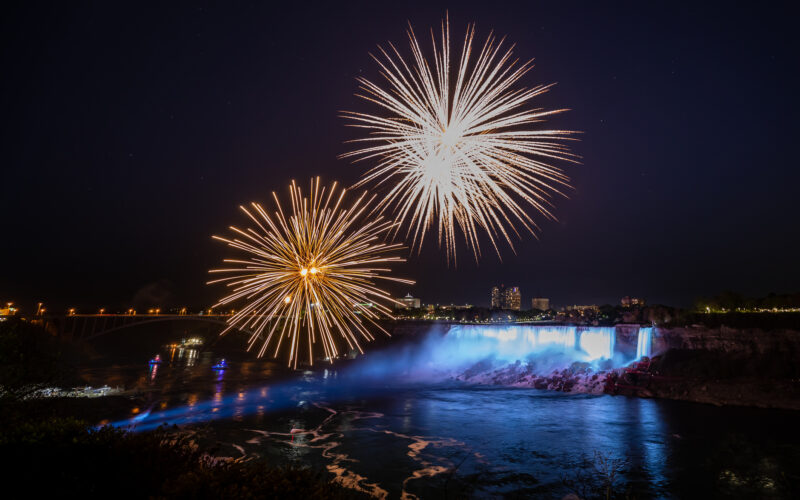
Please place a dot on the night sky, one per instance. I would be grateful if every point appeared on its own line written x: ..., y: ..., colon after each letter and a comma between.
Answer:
x: 130, y: 134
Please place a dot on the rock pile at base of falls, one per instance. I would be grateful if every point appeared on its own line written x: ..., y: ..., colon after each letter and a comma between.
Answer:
x: 578, y: 377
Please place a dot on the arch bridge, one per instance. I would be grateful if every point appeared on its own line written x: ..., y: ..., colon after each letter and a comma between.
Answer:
x: 87, y: 327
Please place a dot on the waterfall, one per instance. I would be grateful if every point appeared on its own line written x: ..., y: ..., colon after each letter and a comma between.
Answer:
x: 644, y: 344
x: 598, y: 342
x: 513, y: 342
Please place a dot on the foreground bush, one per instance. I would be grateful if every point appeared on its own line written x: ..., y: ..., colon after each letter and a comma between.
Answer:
x: 64, y: 457
x: 31, y: 359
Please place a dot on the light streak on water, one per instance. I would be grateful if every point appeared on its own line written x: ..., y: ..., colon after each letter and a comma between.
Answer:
x: 434, y: 360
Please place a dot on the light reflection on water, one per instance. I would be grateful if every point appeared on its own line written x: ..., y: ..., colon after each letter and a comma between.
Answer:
x: 394, y: 441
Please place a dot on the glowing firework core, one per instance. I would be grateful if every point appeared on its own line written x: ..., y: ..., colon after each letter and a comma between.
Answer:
x: 455, y: 145
x: 283, y: 282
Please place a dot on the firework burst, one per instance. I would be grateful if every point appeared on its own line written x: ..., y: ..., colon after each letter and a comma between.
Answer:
x: 309, y: 276
x: 457, y: 145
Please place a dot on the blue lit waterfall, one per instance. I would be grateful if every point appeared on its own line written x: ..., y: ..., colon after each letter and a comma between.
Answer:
x: 468, y: 350
x: 644, y: 344
x: 512, y: 342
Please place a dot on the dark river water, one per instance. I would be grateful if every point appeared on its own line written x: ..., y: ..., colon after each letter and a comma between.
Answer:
x: 448, y: 440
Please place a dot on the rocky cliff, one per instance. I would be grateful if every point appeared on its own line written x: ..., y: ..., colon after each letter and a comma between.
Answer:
x: 751, y: 367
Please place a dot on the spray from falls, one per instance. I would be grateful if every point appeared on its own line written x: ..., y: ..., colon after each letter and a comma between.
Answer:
x: 564, y: 358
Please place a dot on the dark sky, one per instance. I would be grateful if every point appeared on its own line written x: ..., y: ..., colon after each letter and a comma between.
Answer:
x: 131, y: 133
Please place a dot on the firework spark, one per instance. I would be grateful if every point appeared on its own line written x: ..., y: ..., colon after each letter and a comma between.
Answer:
x: 310, y: 275
x: 457, y: 145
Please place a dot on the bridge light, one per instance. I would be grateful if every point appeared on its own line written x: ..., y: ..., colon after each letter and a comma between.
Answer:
x: 102, y: 310
x: 72, y: 311
x: 303, y: 271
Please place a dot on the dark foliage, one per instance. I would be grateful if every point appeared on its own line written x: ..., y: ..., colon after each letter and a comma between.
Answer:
x: 599, y: 477
x: 711, y: 365
x: 733, y: 300
x: 763, y: 321
x: 30, y: 359
x: 62, y: 456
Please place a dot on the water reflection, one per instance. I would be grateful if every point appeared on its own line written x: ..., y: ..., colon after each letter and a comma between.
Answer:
x: 393, y: 440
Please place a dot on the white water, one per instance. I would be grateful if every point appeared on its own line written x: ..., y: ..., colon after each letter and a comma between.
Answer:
x: 518, y: 342
x: 476, y: 349
x: 644, y: 344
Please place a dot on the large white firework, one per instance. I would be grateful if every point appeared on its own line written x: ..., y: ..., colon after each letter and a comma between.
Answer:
x: 310, y: 275
x: 458, y: 145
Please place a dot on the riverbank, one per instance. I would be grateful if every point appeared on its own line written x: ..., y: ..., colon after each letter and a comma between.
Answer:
x: 696, y: 376
x: 56, y: 448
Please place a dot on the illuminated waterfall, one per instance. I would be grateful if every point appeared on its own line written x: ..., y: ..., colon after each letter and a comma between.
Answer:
x: 598, y: 342
x: 513, y: 342
x: 644, y: 344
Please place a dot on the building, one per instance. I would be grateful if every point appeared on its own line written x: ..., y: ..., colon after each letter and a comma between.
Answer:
x: 513, y: 299
x: 584, y: 310
x: 498, y: 296
x: 455, y: 307
x: 628, y: 301
x: 408, y: 302
x: 506, y: 297
x: 540, y: 303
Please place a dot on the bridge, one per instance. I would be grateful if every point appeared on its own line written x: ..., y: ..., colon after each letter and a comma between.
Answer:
x: 87, y: 327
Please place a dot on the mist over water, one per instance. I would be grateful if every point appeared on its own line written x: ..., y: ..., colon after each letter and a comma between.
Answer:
x: 434, y: 360
x: 397, y: 421
x: 439, y: 357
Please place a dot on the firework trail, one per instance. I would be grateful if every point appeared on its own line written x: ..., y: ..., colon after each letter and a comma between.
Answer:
x: 310, y: 275
x: 457, y: 144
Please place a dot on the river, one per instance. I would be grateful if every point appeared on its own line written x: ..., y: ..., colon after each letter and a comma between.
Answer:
x: 396, y: 439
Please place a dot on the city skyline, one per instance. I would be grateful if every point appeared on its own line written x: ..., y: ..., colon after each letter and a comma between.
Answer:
x: 116, y: 195
x: 400, y: 250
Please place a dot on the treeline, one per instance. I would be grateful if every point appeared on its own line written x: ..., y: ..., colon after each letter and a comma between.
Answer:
x: 732, y: 301
x: 608, y: 315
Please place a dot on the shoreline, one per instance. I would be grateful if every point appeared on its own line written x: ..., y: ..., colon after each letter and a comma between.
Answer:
x: 581, y: 379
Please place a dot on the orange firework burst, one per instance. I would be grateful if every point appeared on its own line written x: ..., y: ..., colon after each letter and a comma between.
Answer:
x: 310, y: 275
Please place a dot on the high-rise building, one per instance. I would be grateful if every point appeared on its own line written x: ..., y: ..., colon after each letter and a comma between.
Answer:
x: 540, y: 303
x: 513, y: 298
x: 408, y: 302
x: 498, y: 295
x: 506, y: 297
